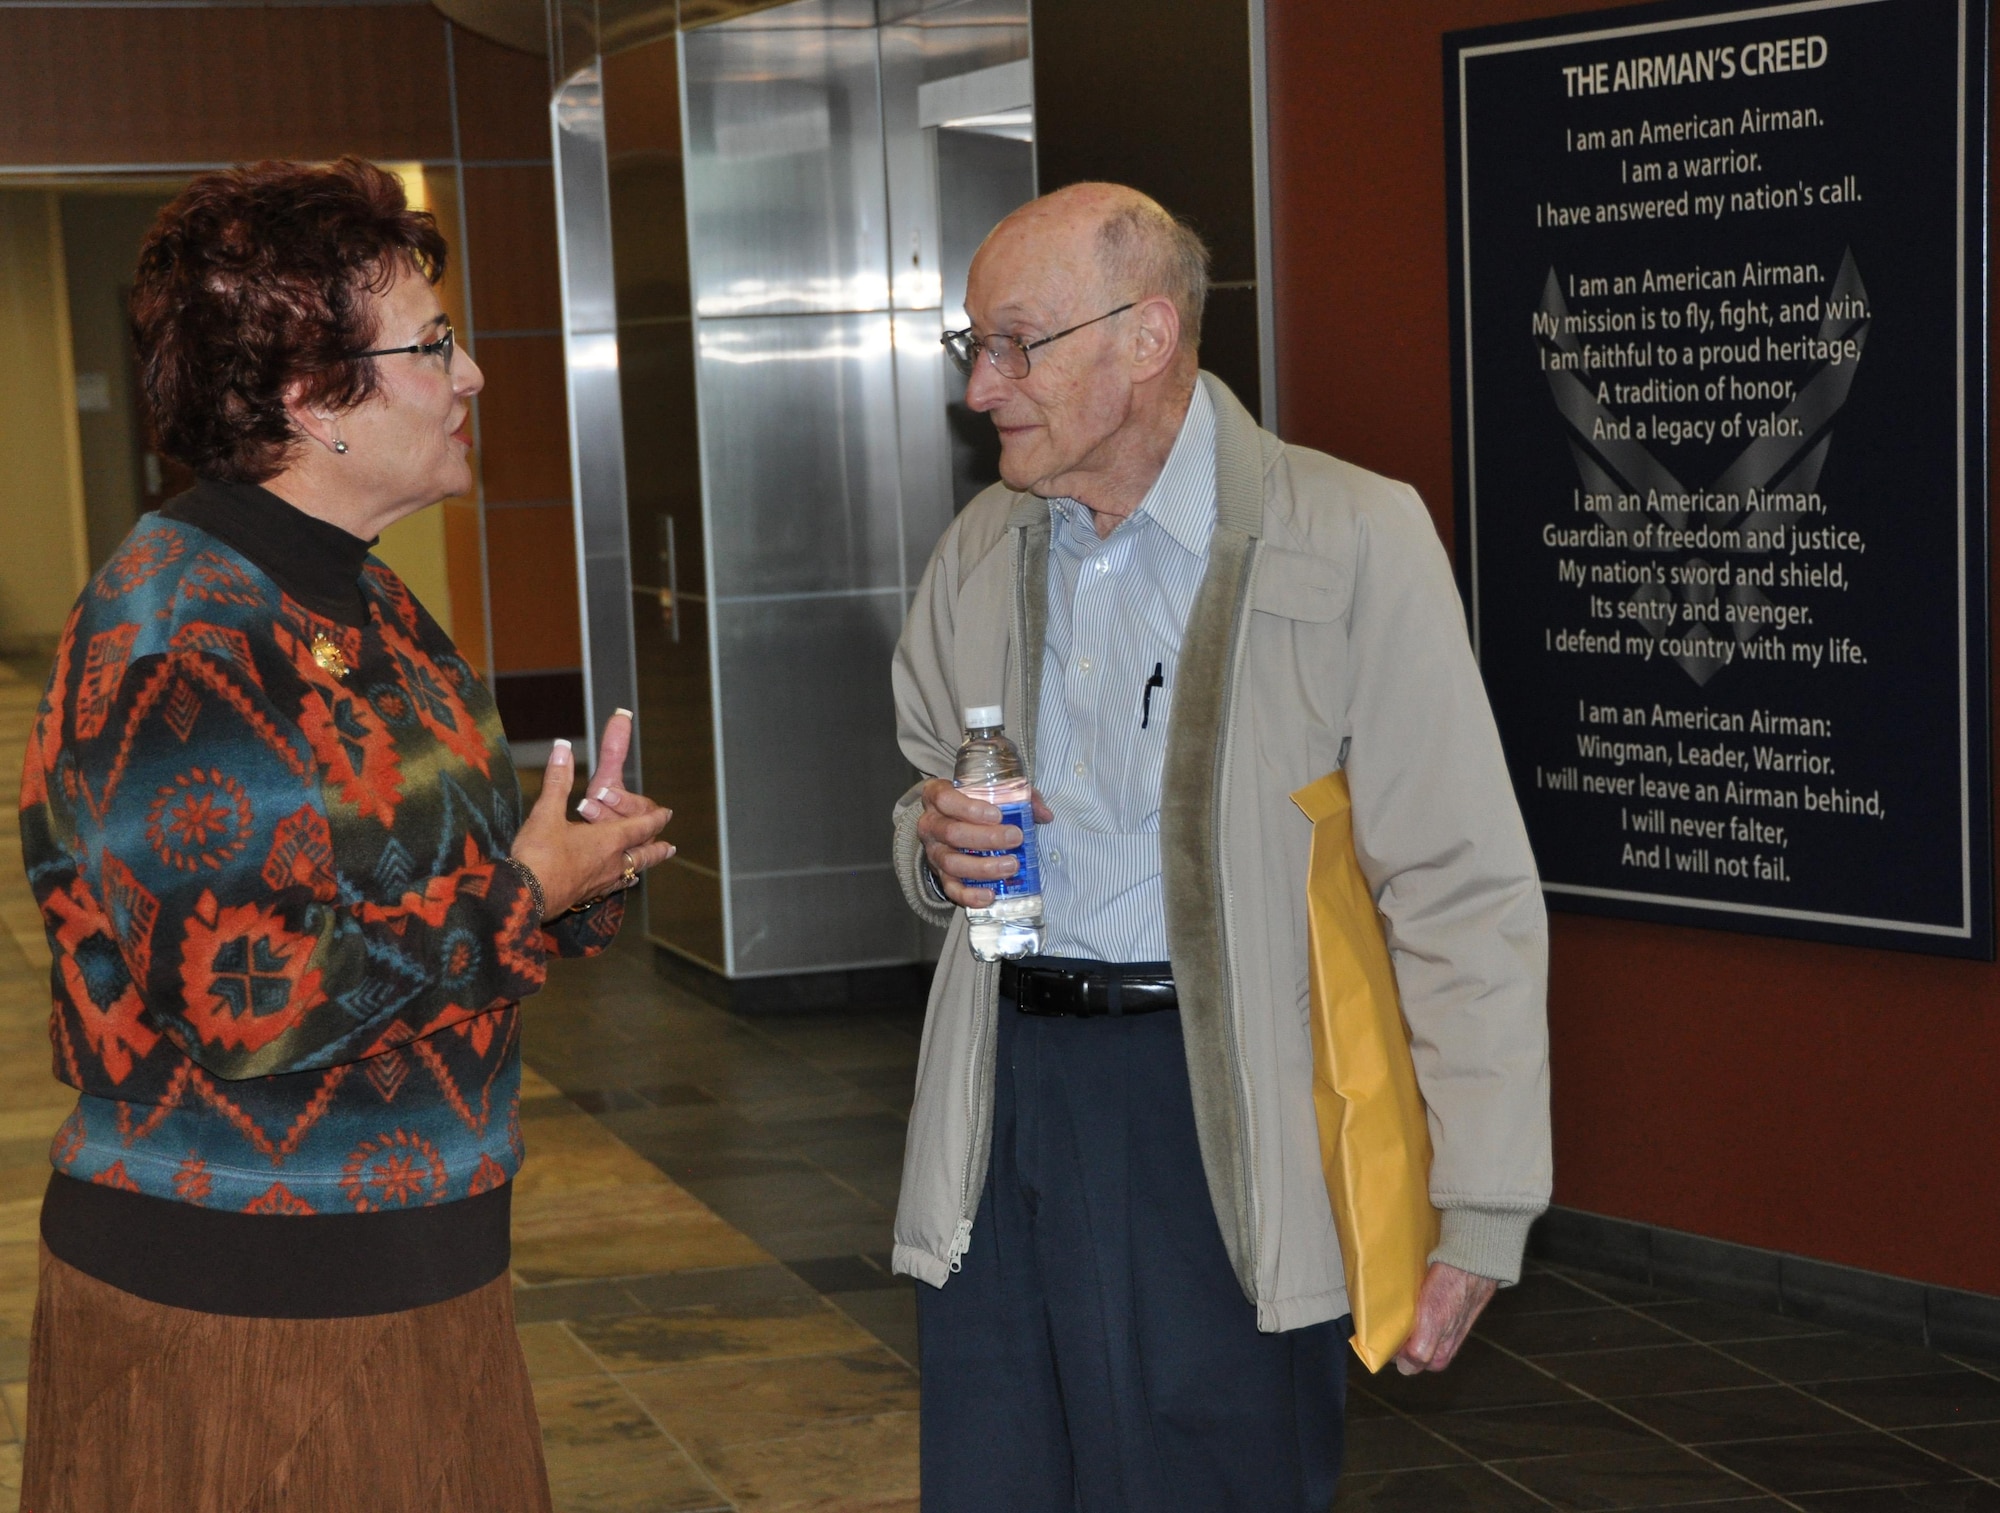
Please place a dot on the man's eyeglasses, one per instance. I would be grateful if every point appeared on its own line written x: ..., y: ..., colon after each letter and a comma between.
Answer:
x: 443, y: 347
x: 1008, y: 354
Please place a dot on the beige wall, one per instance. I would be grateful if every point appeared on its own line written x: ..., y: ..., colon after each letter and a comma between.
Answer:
x: 45, y: 558
x: 101, y: 232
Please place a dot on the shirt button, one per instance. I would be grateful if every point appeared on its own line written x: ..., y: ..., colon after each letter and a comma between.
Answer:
x: 1083, y: 665
x: 1055, y: 856
x: 1078, y: 769
x: 1103, y: 566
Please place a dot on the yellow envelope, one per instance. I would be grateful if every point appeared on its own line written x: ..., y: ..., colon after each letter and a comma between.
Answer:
x: 1374, y: 1142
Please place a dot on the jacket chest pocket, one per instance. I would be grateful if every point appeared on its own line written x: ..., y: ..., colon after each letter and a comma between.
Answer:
x: 1298, y: 662
x: 1292, y: 586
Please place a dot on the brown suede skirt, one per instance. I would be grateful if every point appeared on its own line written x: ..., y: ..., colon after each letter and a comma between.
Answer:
x: 141, y: 1408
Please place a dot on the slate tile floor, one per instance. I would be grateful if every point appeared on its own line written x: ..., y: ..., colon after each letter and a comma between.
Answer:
x: 1577, y: 1392
x: 1586, y: 1392
x: 789, y: 1127
x: 701, y: 1238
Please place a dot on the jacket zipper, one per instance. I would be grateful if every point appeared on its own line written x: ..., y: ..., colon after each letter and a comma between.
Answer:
x: 977, y: 1099
x: 1238, y: 646
x: 987, y: 997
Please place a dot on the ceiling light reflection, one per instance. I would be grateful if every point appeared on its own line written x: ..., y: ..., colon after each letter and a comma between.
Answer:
x: 1015, y: 125
x: 593, y: 352
x: 869, y: 343
x: 758, y: 296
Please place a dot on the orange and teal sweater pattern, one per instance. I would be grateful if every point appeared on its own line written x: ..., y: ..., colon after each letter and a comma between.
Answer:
x: 288, y: 959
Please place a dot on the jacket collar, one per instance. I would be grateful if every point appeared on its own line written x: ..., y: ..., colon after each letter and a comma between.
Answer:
x: 1239, y: 462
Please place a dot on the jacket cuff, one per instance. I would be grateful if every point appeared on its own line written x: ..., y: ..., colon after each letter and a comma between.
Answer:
x: 585, y: 931
x: 1488, y: 1242
x: 913, y: 872
x: 522, y: 944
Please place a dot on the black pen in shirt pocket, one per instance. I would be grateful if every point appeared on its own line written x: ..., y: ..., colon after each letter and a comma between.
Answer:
x: 1157, y: 680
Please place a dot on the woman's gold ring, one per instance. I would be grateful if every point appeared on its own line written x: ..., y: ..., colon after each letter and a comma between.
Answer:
x: 631, y: 877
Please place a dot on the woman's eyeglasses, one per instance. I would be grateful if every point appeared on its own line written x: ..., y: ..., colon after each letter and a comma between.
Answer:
x: 443, y: 347
x: 1008, y: 354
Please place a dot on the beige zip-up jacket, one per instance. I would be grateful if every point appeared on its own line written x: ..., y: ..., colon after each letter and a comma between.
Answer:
x: 1327, y: 625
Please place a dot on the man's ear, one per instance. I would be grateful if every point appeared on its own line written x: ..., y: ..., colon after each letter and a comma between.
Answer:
x: 1157, y: 337
x: 318, y: 422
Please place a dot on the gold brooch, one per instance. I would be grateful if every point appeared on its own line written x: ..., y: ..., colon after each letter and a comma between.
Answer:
x: 328, y: 654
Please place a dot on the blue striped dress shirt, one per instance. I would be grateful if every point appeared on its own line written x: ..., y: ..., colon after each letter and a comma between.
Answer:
x: 1117, y: 610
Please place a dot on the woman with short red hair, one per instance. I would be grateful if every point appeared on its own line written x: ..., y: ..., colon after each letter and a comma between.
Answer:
x: 269, y: 814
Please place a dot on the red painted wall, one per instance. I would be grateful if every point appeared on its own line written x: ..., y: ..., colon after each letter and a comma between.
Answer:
x: 1822, y: 1100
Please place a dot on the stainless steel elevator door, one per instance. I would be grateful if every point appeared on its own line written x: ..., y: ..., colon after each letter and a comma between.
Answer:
x: 788, y: 235
x: 818, y: 395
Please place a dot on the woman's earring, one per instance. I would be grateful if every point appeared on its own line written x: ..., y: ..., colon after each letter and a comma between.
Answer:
x: 340, y: 447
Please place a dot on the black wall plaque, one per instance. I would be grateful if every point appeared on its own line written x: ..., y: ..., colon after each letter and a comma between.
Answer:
x: 1719, y: 323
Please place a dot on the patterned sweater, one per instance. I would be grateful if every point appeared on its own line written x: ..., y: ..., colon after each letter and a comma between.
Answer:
x: 287, y: 960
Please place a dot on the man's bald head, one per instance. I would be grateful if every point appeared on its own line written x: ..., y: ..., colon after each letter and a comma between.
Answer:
x: 1099, y: 291
x: 1145, y: 251
x: 1136, y: 246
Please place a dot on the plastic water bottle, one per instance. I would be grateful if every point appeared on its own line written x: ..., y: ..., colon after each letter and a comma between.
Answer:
x: 989, y: 768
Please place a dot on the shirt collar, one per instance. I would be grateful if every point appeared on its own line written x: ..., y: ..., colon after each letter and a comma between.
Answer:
x: 1182, y: 499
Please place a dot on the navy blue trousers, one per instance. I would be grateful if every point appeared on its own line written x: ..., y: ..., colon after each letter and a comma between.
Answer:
x: 1095, y: 1354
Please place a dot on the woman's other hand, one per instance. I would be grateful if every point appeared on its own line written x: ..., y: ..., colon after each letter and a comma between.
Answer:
x: 578, y: 862
x: 605, y: 795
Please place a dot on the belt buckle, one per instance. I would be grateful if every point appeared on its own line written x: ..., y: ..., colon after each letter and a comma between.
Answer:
x: 1048, y: 992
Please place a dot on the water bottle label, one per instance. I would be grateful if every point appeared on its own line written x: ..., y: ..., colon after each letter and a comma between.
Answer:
x: 1028, y: 880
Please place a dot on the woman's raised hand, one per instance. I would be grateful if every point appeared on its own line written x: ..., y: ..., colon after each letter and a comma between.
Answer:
x: 578, y: 862
x: 606, y: 795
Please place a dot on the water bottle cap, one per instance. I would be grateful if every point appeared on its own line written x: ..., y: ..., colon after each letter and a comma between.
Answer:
x: 982, y: 717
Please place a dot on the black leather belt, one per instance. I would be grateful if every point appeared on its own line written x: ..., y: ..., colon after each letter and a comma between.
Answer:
x: 1085, y: 989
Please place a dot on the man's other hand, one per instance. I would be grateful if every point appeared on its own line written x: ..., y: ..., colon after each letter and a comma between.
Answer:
x: 954, y: 825
x: 1447, y: 1308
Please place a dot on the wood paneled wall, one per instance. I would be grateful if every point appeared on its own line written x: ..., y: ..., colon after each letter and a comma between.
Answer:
x: 508, y: 179
x: 126, y: 84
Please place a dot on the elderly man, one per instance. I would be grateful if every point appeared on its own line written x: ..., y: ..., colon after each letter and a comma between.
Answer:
x: 1112, y: 1184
